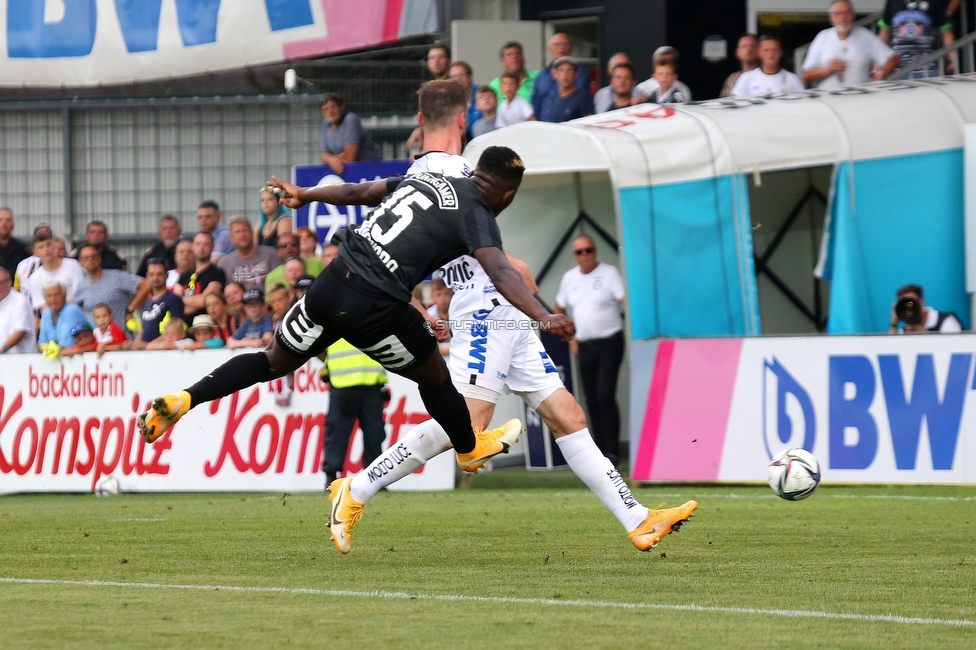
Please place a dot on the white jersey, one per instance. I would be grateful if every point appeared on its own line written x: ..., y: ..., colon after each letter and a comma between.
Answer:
x: 473, y: 289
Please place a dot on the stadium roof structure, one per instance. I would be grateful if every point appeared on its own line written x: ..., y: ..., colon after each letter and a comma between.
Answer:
x: 679, y: 180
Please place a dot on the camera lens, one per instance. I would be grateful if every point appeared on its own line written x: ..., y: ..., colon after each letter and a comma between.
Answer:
x: 908, y: 311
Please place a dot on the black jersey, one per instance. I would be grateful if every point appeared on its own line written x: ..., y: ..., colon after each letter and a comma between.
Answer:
x: 428, y: 221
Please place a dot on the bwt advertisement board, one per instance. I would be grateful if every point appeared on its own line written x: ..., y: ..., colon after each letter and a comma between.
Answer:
x: 880, y: 409
x: 90, y: 42
x: 325, y: 219
x: 65, y: 424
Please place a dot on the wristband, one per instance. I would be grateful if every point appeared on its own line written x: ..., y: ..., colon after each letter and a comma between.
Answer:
x: 3, y: 349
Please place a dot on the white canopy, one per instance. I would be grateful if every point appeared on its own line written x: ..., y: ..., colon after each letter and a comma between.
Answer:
x: 655, y: 145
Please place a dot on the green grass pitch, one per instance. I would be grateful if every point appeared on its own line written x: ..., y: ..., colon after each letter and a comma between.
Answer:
x: 519, y: 560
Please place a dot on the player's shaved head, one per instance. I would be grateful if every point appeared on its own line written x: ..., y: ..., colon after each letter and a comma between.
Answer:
x: 441, y: 102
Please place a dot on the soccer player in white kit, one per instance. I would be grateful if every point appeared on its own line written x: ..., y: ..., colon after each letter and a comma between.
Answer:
x: 490, y: 356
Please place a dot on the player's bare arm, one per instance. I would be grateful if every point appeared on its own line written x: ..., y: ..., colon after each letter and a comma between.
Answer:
x: 509, y: 283
x: 368, y: 193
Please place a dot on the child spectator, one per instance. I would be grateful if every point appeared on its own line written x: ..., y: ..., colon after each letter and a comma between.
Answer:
x: 279, y: 297
x: 257, y: 329
x: 667, y: 92
x: 204, y: 333
x: 216, y: 304
x: 108, y: 335
x: 303, y: 285
x: 487, y: 102
x: 515, y: 109
x: 84, y: 340
x: 173, y: 337
x: 234, y: 293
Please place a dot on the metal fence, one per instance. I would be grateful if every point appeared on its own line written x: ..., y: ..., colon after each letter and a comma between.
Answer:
x: 127, y: 162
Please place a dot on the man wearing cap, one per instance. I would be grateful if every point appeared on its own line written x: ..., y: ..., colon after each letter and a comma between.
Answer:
x: 559, y: 47
x: 357, y: 392
x: 566, y: 101
x: 256, y: 329
x: 17, y: 329
x: 12, y: 250
x: 59, y: 319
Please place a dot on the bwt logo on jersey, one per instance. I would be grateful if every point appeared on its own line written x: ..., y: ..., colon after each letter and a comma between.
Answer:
x: 854, y: 428
x: 479, y: 341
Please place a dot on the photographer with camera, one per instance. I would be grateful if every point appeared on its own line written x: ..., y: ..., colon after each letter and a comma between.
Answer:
x: 910, y: 315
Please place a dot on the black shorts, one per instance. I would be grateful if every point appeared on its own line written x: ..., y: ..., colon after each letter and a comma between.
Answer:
x: 342, y: 305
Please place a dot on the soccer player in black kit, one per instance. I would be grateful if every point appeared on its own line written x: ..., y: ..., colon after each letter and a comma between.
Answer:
x: 364, y: 296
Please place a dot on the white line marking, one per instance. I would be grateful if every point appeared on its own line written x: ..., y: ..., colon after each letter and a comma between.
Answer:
x: 136, y: 519
x: 786, y: 613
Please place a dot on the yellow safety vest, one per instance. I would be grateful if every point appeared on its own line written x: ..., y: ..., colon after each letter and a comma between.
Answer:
x: 349, y: 367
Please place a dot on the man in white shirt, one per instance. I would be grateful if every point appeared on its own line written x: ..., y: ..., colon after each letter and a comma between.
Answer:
x: 769, y: 77
x: 593, y: 292
x: 845, y: 55
x: 64, y: 271
x: 17, y: 331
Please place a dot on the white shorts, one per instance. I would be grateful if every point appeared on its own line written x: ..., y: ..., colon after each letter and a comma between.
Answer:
x: 499, y: 352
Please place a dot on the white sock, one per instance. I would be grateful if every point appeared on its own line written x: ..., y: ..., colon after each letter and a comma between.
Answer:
x: 422, y: 443
x: 602, y: 477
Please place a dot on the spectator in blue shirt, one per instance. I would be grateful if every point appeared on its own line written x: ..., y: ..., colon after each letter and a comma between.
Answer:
x: 208, y: 217
x: 160, y: 303
x: 566, y: 101
x: 343, y: 137
x: 256, y: 331
x: 462, y: 73
x: 59, y: 318
x: 559, y: 47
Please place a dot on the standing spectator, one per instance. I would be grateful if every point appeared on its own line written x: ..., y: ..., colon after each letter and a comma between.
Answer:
x: 438, y: 61
x: 160, y: 303
x: 12, y: 250
x: 356, y: 393
x: 487, y: 102
x: 515, y: 109
x: 847, y: 56
x: 17, y: 330
x: 916, y: 29
x: 308, y: 244
x: 645, y: 88
x: 184, y: 263
x: 288, y: 248
x: 462, y: 73
x: 747, y: 52
x: 667, y: 91
x: 28, y: 265
x: 293, y: 270
x: 65, y: 271
x: 593, y: 292
x: 567, y: 101
x: 165, y: 248
x: 224, y: 324
x: 513, y: 62
x: 329, y: 253
x: 60, y: 249
x: 59, y: 318
x: 96, y: 234
x: 619, y: 93
x: 249, y: 264
x: 343, y: 137
x: 208, y: 218
x: 108, y: 335
x: 205, y: 278
x: 254, y: 331
x: 559, y: 47
x: 274, y: 221
x: 769, y: 77
x: 122, y: 291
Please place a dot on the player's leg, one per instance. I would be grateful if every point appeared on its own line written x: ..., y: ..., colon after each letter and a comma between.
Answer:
x: 298, y: 339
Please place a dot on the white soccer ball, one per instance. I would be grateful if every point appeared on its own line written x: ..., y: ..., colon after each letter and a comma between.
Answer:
x: 107, y: 486
x: 794, y: 474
